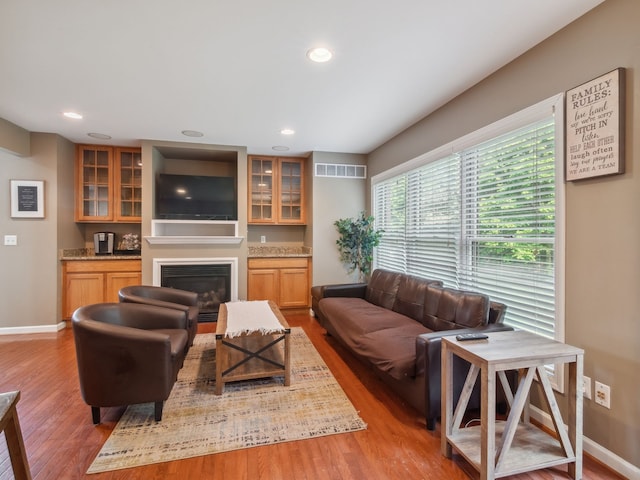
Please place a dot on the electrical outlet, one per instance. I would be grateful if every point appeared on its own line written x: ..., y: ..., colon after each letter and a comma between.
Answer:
x: 11, y: 240
x: 586, y: 387
x: 603, y: 395
x: 263, y: 239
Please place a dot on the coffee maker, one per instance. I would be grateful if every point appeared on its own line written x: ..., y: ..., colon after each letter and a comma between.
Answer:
x: 103, y: 242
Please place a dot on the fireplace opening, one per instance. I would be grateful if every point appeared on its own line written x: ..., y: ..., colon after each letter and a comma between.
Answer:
x: 212, y: 283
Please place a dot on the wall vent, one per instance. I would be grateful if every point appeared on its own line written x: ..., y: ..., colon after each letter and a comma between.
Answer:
x: 340, y: 170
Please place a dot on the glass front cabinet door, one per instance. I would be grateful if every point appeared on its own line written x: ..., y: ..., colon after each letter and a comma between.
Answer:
x: 128, y: 185
x: 94, y: 197
x: 261, y: 191
x: 276, y: 190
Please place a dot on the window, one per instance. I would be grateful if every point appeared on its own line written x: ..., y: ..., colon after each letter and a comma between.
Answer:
x: 485, y: 213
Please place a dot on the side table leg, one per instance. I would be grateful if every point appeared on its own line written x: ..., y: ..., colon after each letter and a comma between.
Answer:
x: 446, y: 401
x: 15, y: 445
x: 219, y: 366
x: 488, y: 424
x: 575, y: 413
x: 287, y: 358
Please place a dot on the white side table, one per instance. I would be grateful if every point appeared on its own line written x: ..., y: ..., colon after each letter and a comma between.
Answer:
x: 499, y: 449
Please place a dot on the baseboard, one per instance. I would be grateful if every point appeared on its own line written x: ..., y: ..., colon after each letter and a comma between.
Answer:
x: 32, y: 329
x: 604, y: 456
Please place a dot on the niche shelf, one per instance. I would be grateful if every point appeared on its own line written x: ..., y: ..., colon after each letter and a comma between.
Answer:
x: 193, y: 232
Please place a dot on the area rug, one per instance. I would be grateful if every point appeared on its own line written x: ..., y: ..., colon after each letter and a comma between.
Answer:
x: 197, y: 422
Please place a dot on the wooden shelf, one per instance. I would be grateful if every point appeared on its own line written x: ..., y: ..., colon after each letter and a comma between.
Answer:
x: 194, y: 232
x: 531, y: 448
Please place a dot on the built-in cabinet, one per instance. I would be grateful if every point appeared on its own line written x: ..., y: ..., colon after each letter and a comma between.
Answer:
x: 95, y: 281
x: 276, y: 190
x: 286, y: 281
x: 108, y: 184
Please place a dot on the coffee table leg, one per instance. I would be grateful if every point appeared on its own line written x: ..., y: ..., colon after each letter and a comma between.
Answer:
x: 287, y: 359
x: 219, y: 381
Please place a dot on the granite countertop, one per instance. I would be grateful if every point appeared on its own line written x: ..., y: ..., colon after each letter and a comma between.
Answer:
x: 254, y: 252
x: 275, y: 251
x: 89, y: 254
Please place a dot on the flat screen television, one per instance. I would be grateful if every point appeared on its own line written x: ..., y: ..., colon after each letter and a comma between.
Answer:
x: 196, y: 197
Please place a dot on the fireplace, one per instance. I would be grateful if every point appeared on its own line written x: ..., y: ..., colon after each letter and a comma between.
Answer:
x: 214, y: 280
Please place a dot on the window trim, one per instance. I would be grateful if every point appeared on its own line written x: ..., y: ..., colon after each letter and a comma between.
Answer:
x: 554, y: 105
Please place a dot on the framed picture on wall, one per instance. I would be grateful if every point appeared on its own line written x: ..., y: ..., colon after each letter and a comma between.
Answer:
x: 594, y: 115
x: 27, y: 199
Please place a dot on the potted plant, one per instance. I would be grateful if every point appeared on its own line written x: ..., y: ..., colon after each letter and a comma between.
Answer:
x: 358, y: 237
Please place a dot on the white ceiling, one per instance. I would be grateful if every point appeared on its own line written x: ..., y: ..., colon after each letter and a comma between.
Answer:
x: 236, y: 70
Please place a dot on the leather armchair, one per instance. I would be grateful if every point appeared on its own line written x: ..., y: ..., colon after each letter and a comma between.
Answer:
x: 128, y: 354
x: 177, y: 299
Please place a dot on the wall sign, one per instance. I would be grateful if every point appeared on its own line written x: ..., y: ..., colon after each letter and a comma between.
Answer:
x: 27, y: 198
x: 594, y: 138
x: 594, y: 115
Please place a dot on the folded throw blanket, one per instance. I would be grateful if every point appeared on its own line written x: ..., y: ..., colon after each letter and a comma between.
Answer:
x: 250, y: 317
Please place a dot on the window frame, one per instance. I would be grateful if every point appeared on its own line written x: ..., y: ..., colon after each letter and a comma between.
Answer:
x: 550, y: 106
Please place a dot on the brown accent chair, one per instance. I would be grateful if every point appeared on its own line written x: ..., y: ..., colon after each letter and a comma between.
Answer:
x: 166, y: 297
x: 128, y: 354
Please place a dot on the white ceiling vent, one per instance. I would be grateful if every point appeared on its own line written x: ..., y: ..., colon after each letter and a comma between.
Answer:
x: 340, y: 170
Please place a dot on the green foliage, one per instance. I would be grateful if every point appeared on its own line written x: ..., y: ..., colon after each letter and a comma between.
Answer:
x: 358, y: 238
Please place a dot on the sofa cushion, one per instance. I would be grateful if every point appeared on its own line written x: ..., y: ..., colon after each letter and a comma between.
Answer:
x: 448, y: 309
x: 393, y: 350
x: 411, y: 296
x: 355, y: 317
x: 382, y: 288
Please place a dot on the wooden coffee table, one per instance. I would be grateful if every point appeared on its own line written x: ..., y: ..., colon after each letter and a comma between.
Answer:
x: 251, y: 355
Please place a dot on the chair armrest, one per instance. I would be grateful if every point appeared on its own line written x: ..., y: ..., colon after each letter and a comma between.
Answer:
x: 135, y: 315
x: 145, y: 294
x: 153, y: 317
x: 154, y: 301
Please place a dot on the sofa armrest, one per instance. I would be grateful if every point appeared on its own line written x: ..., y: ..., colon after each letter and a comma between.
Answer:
x: 356, y: 290
x: 429, y: 360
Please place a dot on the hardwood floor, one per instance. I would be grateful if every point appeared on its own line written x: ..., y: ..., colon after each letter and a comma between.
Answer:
x: 61, y: 441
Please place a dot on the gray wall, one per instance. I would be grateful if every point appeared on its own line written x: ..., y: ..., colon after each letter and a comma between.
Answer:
x: 602, y: 215
x: 333, y: 198
x: 30, y: 276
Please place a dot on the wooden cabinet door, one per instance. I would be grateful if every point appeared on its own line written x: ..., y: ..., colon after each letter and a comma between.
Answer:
x: 115, y: 281
x: 294, y: 287
x: 291, y: 191
x: 94, y: 184
x: 82, y: 289
x: 263, y: 284
x: 262, y: 195
x: 127, y: 188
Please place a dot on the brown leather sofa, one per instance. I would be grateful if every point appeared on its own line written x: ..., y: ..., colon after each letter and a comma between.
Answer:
x: 174, y: 298
x: 395, y: 323
x: 128, y: 353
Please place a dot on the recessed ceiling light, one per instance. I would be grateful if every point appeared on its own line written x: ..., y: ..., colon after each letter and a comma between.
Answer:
x: 74, y: 115
x: 287, y: 131
x: 100, y: 136
x: 192, y: 133
x: 319, y: 54
x: 280, y: 148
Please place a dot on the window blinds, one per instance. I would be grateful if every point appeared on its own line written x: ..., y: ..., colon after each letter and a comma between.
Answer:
x: 481, y: 219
